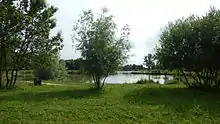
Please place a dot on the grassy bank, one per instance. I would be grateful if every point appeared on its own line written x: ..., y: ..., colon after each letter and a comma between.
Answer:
x: 116, y: 104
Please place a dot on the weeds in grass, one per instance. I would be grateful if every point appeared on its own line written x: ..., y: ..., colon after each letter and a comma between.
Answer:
x: 170, y: 82
x: 125, y: 103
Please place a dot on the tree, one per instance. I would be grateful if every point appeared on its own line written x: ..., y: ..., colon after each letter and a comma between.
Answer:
x: 149, y: 62
x: 101, y: 50
x: 25, y: 29
x: 10, y: 26
x: 193, y: 45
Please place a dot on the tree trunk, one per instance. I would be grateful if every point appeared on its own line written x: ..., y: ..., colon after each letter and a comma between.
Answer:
x: 1, y: 70
x: 103, y: 83
x: 4, y: 56
x: 12, y: 78
x: 6, y: 70
x: 98, y: 82
x: 15, y: 78
x: 187, y: 82
x: 199, y: 77
x: 7, y: 78
x: 195, y: 79
x: 0, y: 78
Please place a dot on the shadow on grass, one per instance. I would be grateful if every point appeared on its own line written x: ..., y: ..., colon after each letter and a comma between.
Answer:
x: 61, y: 94
x: 174, y: 97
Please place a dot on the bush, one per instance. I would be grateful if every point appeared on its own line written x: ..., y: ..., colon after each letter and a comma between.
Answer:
x: 44, y: 74
x: 53, y: 68
x: 145, y: 81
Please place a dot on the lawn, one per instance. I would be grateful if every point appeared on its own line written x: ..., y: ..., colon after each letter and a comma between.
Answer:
x: 128, y: 103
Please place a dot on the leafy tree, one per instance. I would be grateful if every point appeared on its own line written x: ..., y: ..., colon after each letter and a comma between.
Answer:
x: 25, y: 29
x: 149, y: 61
x: 193, y: 45
x: 101, y: 50
x: 10, y: 19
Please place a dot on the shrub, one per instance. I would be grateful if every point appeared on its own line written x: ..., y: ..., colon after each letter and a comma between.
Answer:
x: 44, y: 74
x: 145, y: 81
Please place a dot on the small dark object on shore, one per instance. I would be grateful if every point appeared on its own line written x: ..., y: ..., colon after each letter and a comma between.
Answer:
x: 37, y: 82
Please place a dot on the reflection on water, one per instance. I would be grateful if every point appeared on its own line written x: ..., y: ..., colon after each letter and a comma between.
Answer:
x: 132, y: 78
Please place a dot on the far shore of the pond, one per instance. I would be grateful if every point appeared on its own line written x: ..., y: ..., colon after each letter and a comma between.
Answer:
x: 145, y: 72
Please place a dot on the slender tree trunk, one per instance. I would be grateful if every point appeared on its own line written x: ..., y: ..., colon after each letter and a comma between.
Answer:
x: 7, y: 78
x: 1, y: 70
x: 6, y: 69
x: 199, y: 77
x: 0, y: 78
x: 103, y: 83
x: 12, y: 78
x: 194, y: 77
x: 15, y: 78
x: 206, y: 78
x: 1, y: 63
x: 98, y: 83
x: 14, y: 70
x: 0, y: 67
x: 187, y: 82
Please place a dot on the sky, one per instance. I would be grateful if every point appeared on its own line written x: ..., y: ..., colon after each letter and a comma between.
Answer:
x: 145, y: 17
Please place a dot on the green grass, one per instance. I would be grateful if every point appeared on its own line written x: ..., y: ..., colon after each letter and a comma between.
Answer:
x: 171, y: 82
x: 128, y: 103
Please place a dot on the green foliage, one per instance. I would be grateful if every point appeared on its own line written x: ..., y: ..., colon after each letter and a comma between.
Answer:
x: 116, y: 104
x: 25, y: 33
x: 74, y: 64
x: 149, y: 61
x: 53, y: 68
x: 145, y: 81
x: 43, y: 73
x: 193, y: 45
x: 170, y: 82
x: 101, y: 50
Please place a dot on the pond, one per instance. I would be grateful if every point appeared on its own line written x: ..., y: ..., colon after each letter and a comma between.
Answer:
x: 121, y: 78
x: 126, y: 77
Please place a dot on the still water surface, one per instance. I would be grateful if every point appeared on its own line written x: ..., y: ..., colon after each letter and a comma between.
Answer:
x: 125, y: 77
x: 121, y: 78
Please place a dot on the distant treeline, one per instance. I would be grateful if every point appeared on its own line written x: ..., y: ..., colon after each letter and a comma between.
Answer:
x: 76, y: 64
x: 133, y: 67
